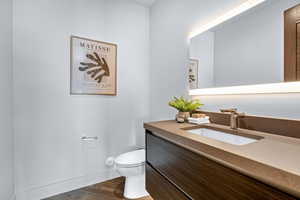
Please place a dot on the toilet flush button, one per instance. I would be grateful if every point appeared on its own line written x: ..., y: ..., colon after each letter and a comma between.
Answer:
x: 110, y: 161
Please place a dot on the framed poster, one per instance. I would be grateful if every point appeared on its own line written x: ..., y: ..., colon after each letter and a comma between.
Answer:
x: 193, y: 73
x: 93, y: 67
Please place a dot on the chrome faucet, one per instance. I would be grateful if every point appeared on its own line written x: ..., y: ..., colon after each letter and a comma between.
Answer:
x: 234, y: 117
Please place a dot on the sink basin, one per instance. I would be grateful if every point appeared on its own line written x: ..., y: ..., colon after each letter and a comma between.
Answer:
x: 222, y: 136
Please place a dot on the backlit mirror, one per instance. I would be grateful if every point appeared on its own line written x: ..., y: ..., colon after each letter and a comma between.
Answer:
x: 256, y: 47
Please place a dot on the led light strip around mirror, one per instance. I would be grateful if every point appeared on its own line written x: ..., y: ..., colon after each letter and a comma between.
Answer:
x: 275, y: 88
x: 226, y: 16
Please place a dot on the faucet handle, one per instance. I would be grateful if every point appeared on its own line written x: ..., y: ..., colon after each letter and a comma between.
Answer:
x: 241, y: 114
x: 231, y: 110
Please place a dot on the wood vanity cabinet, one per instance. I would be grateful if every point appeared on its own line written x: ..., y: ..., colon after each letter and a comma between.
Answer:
x: 160, y: 187
x: 175, y: 173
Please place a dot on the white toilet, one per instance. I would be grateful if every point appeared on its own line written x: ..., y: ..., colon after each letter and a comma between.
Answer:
x: 132, y: 166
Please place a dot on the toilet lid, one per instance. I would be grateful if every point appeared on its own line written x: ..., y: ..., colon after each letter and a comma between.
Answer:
x: 132, y: 158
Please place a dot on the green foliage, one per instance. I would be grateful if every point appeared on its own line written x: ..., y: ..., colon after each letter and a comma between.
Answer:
x: 184, y: 105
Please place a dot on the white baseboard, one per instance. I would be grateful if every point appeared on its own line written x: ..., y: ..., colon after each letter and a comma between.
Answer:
x: 53, y: 189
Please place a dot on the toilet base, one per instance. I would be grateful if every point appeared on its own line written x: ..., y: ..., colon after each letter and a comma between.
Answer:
x: 135, y: 187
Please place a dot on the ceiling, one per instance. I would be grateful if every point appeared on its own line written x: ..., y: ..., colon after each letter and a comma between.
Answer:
x: 146, y: 2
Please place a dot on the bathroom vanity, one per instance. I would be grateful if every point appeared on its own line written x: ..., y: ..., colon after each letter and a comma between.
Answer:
x: 251, y: 158
x: 185, y: 161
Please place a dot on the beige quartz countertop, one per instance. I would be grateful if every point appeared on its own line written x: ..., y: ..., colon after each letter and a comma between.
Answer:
x: 274, y: 160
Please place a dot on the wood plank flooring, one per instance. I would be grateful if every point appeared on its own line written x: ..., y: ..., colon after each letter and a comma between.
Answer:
x: 110, y: 190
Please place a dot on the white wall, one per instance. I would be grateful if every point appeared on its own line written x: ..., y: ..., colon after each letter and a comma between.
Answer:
x: 250, y: 49
x: 202, y: 49
x: 171, y: 21
x: 49, y: 123
x: 169, y: 40
x: 6, y: 133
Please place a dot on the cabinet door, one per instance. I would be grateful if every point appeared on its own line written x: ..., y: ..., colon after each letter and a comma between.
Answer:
x: 160, y: 188
x: 203, y: 179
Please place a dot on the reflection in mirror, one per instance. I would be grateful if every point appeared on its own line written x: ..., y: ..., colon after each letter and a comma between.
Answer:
x: 247, y: 49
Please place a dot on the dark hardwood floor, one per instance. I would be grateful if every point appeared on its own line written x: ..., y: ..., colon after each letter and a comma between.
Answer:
x: 110, y: 190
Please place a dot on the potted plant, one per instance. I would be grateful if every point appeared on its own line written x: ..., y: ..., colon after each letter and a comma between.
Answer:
x: 184, y: 107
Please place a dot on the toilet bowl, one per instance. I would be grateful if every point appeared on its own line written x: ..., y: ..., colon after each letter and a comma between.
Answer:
x: 131, y: 165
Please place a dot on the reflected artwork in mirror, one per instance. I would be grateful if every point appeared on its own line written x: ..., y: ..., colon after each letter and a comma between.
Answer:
x: 259, y: 46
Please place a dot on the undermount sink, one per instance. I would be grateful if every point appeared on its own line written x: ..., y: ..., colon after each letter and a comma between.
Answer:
x: 223, y: 137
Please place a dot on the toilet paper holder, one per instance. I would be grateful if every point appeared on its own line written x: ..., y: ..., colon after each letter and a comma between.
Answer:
x: 89, y: 138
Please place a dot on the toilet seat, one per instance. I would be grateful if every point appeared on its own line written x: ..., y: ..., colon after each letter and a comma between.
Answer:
x: 131, y: 159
